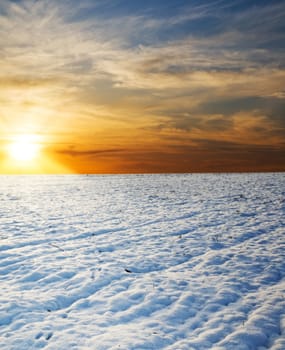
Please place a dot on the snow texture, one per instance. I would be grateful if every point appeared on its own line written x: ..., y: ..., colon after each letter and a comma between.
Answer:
x: 174, y: 262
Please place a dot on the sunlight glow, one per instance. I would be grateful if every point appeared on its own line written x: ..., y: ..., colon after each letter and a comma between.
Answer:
x: 29, y: 154
x: 24, y: 148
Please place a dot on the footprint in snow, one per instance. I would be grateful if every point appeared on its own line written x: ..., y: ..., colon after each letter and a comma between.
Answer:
x: 41, y: 334
x: 49, y: 335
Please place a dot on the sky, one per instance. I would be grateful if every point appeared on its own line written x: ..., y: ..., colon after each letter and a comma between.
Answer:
x: 123, y: 86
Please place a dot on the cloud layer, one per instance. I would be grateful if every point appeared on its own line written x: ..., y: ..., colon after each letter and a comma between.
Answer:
x: 150, y: 83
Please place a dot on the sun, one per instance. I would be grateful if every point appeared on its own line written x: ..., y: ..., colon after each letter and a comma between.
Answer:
x: 27, y: 154
x: 24, y: 148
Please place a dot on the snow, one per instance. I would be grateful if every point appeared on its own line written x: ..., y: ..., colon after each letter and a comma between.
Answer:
x: 170, y: 262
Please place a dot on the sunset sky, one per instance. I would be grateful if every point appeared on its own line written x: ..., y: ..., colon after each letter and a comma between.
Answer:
x: 132, y: 86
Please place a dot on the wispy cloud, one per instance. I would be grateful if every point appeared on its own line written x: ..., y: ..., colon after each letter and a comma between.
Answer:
x: 208, y: 69
x: 89, y: 153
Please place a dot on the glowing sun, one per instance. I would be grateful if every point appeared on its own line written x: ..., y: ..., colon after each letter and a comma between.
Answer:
x: 24, y: 148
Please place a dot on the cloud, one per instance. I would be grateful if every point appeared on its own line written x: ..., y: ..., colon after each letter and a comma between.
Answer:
x: 48, y: 39
x: 18, y: 82
x: 213, y: 70
x: 89, y: 153
x: 270, y: 106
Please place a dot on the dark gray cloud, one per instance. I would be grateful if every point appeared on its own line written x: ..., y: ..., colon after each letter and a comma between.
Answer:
x: 270, y: 105
x: 89, y: 153
x: 192, y: 121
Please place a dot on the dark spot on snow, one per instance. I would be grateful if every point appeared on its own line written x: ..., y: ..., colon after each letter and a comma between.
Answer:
x: 49, y: 335
x: 39, y: 335
x: 128, y: 271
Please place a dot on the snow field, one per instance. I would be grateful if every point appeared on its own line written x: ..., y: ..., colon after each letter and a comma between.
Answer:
x: 142, y: 262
